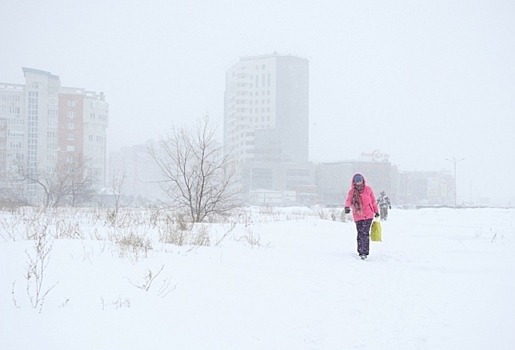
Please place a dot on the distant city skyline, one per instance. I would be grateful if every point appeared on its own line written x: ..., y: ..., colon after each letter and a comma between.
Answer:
x: 420, y: 81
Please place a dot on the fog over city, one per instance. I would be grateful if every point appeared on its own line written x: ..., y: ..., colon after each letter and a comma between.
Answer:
x: 422, y: 81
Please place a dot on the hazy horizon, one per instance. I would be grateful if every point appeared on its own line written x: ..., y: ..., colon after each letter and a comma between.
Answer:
x: 424, y: 82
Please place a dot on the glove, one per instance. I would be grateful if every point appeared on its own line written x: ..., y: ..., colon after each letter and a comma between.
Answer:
x: 377, y: 215
x: 390, y: 207
x: 347, y: 210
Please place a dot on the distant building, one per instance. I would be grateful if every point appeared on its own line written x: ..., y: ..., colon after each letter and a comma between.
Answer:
x: 333, y: 180
x: 267, y: 108
x: 289, y: 183
x: 425, y: 188
x: 407, y: 188
x: 83, y: 120
x: 135, y: 173
x: 13, y: 128
x: 42, y: 123
x: 266, y: 123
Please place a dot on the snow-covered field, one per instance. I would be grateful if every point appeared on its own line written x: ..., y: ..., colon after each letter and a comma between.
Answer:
x: 280, y: 279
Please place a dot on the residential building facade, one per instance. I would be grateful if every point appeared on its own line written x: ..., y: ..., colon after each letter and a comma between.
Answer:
x: 43, y: 123
x: 13, y: 124
x: 266, y: 122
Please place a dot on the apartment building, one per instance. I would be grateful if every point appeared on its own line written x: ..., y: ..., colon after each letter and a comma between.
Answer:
x: 42, y: 122
x: 266, y: 122
x: 267, y: 108
x: 83, y: 120
x: 13, y: 145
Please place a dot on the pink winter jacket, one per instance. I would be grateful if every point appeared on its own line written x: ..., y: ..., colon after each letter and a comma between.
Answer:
x: 368, y: 200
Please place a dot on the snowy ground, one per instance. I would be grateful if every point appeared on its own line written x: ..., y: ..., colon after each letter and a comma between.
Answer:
x: 441, y: 279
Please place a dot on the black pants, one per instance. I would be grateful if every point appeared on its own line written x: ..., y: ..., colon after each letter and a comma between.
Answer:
x: 363, y: 227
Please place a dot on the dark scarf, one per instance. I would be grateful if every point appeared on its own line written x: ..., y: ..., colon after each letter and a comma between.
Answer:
x: 356, y: 197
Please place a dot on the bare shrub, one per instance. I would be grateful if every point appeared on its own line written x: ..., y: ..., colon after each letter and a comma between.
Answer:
x: 253, y: 239
x: 322, y: 214
x: 68, y: 230
x: 201, y: 236
x: 267, y: 210
x: 155, y: 216
x: 37, y: 265
x: 225, y: 234
x: 10, y: 227
x: 174, y: 231
x: 133, y: 244
x: 149, y: 277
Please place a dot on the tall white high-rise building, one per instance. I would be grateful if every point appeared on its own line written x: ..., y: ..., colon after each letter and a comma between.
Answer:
x: 41, y: 108
x: 267, y: 108
x: 266, y: 126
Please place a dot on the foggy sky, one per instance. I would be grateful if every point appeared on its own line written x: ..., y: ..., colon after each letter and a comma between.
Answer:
x: 423, y: 81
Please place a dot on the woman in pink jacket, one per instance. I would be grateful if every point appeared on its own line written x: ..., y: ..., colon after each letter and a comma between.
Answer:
x: 362, y: 201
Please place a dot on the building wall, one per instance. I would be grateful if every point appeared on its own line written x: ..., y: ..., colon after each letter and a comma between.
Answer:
x: 266, y: 122
x: 292, y: 107
x: 12, y: 129
x: 40, y: 122
x: 430, y: 188
x: 41, y: 106
x: 83, y: 120
x: 71, y: 125
x: 96, y: 121
x: 267, y: 108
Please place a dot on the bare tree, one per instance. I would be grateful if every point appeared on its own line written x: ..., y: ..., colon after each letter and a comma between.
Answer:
x: 69, y: 182
x: 82, y: 182
x: 12, y: 192
x: 199, y: 178
x: 117, y: 183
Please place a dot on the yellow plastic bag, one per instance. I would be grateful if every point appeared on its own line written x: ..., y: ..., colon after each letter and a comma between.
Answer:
x: 375, y: 231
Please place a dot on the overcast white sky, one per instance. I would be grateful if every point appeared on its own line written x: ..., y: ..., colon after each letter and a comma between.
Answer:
x: 423, y: 81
